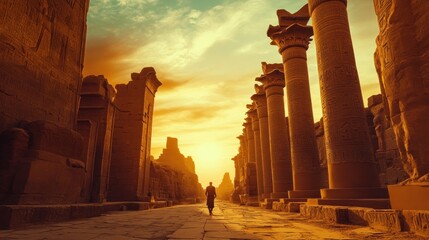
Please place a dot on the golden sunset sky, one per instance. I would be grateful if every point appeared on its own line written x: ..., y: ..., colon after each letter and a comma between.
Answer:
x: 207, y: 54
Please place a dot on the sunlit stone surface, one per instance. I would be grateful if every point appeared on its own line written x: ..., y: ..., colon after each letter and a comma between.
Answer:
x: 129, y: 170
x: 351, y: 166
x: 402, y: 64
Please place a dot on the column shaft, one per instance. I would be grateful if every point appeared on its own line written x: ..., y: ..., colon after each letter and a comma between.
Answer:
x: 258, y: 156
x: 305, y: 158
x: 261, y: 103
x: 279, y: 142
x: 351, y: 165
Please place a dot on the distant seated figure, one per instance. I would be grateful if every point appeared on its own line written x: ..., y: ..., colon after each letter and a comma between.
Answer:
x: 211, y: 195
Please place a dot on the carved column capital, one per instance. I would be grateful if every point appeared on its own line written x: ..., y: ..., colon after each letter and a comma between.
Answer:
x: 273, y: 76
x: 295, y: 35
x: 260, y: 99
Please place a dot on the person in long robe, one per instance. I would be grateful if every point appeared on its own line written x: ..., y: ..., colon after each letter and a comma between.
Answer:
x: 211, y: 195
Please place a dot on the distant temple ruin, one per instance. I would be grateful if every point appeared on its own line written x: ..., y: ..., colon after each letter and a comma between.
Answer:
x: 173, y: 175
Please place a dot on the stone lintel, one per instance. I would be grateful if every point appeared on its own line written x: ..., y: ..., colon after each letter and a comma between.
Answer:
x: 268, y: 68
x: 296, y: 35
x: 302, y: 16
x: 313, y: 4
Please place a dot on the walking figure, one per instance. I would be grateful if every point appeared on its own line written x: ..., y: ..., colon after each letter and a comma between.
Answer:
x: 211, y: 195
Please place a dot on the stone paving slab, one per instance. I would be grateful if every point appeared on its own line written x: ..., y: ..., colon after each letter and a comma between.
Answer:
x: 229, y: 221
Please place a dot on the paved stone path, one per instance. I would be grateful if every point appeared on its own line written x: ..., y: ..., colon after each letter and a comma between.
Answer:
x: 229, y: 221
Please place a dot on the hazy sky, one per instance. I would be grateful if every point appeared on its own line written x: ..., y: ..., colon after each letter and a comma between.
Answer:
x: 207, y: 53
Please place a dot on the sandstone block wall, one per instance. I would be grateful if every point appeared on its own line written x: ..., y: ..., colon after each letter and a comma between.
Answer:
x: 97, y: 106
x: 130, y: 164
x: 402, y: 64
x: 167, y: 183
x: 41, y: 59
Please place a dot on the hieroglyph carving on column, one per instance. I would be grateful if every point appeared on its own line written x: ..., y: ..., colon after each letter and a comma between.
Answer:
x: 351, y: 163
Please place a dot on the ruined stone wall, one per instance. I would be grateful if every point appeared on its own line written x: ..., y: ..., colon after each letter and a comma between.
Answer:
x: 42, y: 158
x: 172, y: 157
x: 171, y: 184
x: 41, y: 59
x: 97, y: 106
x: 387, y: 152
x: 225, y: 188
x: 130, y: 164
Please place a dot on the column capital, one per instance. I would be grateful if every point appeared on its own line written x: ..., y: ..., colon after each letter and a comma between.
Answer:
x: 313, y: 4
x: 259, y: 97
x: 295, y: 35
x: 251, y: 113
x: 273, y: 75
x: 241, y: 137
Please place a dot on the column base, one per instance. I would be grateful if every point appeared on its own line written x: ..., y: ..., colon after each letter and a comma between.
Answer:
x: 381, y: 203
x: 354, y: 193
x: 288, y: 204
x: 267, y: 203
x: 279, y: 195
x: 304, y: 194
x: 409, y: 197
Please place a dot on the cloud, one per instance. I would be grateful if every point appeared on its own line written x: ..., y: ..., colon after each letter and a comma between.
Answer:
x: 105, y: 56
x: 169, y: 85
x: 184, y: 35
x: 188, y: 114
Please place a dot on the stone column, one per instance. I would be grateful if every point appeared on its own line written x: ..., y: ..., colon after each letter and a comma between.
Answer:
x: 292, y: 36
x: 251, y: 172
x: 261, y: 107
x: 273, y: 83
x: 351, y: 166
x: 252, y: 113
x: 242, y: 155
x: 249, y: 140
